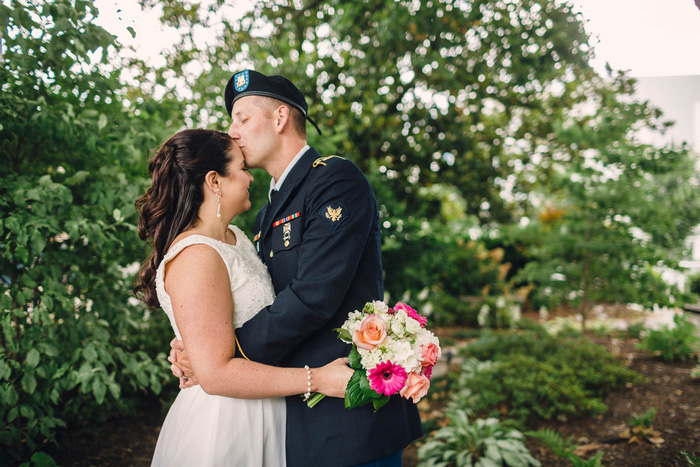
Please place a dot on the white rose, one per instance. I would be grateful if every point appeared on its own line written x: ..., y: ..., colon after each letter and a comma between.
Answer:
x: 397, y: 328
x: 412, y: 326
x: 379, y: 306
x: 424, y: 337
x: 401, y: 316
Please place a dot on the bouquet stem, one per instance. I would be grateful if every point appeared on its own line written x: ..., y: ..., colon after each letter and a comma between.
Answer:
x: 315, y: 399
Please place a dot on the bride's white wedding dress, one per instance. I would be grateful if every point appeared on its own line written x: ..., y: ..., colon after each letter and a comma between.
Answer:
x: 205, y: 430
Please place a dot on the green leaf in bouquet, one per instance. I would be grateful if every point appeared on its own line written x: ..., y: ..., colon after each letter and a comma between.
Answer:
x: 380, y: 402
x: 356, y: 393
x: 354, y: 359
x: 344, y: 334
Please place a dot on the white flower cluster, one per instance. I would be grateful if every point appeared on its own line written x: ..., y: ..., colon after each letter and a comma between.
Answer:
x: 404, y: 338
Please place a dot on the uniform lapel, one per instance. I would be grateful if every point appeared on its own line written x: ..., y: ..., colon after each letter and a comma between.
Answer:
x: 293, y: 180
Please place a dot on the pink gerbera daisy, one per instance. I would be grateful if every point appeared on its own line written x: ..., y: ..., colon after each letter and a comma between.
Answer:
x: 387, y: 378
x: 411, y: 313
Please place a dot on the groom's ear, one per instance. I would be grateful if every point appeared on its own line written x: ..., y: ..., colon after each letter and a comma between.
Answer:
x: 281, y: 117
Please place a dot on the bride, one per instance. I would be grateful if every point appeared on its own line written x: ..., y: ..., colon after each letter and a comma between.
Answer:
x: 207, y: 277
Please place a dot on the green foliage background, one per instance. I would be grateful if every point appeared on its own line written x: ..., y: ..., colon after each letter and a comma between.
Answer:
x: 506, y: 168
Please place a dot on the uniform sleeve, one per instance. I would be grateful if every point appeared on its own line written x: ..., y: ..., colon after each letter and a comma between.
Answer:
x: 341, y: 215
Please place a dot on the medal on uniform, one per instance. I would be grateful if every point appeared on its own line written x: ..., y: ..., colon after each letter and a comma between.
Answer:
x: 257, y: 243
x: 286, y: 233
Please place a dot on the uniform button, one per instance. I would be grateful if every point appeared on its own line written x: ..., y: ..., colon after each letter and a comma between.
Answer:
x: 270, y: 254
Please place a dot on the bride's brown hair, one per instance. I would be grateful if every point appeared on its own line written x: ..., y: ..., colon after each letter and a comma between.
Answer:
x: 171, y: 204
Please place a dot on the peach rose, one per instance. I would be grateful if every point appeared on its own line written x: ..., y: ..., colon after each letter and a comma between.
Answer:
x: 372, y: 332
x: 415, y: 388
x: 429, y: 354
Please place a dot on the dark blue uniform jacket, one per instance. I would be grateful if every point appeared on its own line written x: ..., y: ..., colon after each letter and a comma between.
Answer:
x: 320, y: 241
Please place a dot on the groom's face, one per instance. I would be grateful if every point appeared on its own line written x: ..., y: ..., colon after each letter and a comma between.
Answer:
x: 252, y: 127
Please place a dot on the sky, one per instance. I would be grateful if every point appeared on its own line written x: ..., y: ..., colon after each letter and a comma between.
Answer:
x: 645, y: 37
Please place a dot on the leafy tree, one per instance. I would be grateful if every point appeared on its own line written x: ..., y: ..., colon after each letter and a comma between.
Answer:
x: 72, y: 156
x: 608, y: 218
x: 479, y: 108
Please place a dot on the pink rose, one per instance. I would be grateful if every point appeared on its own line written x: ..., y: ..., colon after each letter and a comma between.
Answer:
x: 415, y: 388
x: 429, y: 354
x: 372, y: 332
x: 427, y: 371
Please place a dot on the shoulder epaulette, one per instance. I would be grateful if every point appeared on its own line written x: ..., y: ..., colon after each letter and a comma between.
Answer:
x: 321, y: 160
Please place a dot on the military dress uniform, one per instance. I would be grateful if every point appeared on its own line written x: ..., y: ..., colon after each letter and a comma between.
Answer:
x: 320, y: 240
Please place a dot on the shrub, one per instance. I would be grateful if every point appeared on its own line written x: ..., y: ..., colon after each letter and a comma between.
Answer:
x: 535, y: 374
x: 695, y: 372
x: 635, y: 330
x: 73, y: 156
x: 485, y: 442
x: 678, y: 343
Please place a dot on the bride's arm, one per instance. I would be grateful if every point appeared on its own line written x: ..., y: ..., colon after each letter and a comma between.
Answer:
x: 198, y: 285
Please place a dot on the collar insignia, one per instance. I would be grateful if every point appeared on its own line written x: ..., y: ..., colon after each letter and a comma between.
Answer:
x: 322, y: 160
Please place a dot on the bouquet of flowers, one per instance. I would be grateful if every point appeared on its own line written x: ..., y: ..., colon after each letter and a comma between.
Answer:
x: 392, y: 353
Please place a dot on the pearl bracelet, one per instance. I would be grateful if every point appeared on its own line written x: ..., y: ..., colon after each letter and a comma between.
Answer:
x: 307, y: 394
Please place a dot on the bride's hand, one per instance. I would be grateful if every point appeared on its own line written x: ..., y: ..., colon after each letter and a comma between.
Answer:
x: 180, y: 364
x: 332, y: 379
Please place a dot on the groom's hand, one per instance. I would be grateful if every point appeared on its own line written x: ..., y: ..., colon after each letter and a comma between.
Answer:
x: 180, y: 364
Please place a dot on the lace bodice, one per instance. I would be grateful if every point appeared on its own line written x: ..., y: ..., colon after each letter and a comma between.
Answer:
x: 251, y: 286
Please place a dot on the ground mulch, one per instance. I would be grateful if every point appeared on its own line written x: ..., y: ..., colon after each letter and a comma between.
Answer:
x: 129, y: 441
x: 669, y: 388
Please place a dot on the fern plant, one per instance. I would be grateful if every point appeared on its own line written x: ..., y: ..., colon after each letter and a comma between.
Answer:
x: 564, y: 448
x: 483, y: 443
x: 644, y: 420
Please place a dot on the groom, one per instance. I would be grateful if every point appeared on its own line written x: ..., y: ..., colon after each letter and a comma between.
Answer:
x: 319, y: 237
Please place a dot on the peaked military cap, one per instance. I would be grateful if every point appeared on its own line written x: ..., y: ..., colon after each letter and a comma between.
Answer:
x: 252, y: 83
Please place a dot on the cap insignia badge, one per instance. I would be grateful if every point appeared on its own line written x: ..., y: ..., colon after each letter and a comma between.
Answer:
x: 241, y: 81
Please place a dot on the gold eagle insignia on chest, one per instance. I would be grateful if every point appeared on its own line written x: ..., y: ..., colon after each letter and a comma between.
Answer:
x: 334, y: 214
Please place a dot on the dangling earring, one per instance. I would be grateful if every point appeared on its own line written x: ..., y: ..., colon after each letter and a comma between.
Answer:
x: 218, y: 208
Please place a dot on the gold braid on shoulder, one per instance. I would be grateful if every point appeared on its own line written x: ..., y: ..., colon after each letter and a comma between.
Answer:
x: 321, y: 160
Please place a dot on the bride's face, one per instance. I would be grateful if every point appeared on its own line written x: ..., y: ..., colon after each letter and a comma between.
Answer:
x: 235, y: 198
